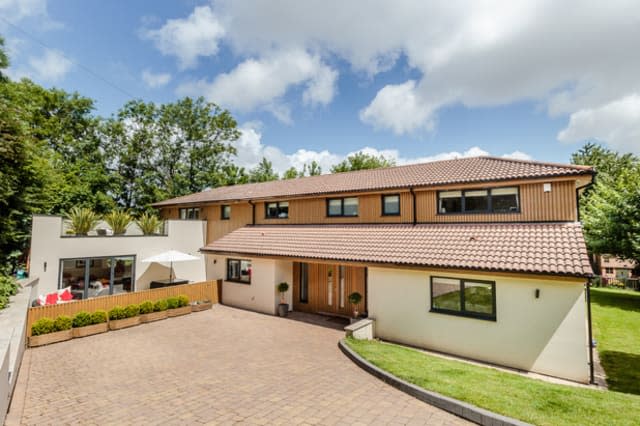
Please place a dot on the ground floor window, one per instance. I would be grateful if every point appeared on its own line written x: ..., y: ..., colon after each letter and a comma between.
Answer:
x: 97, y: 276
x: 472, y: 298
x: 239, y: 270
x: 304, y: 283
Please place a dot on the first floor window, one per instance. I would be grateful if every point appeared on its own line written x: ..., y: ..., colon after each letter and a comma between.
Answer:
x: 390, y: 205
x: 472, y: 298
x: 494, y: 200
x: 190, y: 213
x: 239, y: 270
x: 277, y: 210
x: 97, y: 276
x: 225, y: 212
x: 342, y: 206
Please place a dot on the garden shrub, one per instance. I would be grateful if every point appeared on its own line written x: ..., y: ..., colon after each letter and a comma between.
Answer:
x: 131, y: 310
x: 182, y: 300
x: 8, y: 287
x: 160, y: 305
x: 63, y: 322
x: 81, y: 319
x: 173, y: 303
x: 117, y: 313
x: 98, y: 317
x: 146, y: 307
x: 42, y: 326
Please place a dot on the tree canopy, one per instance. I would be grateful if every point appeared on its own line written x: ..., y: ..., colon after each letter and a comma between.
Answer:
x: 362, y: 161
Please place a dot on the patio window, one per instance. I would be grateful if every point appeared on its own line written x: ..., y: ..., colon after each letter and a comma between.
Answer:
x: 225, y: 212
x: 495, y: 200
x: 304, y: 283
x: 239, y: 270
x: 97, y: 276
x: 469, y: 298
x: 277, y: 210
x: 391, y: 205
x: 340, y: 207
x: 190, y: 213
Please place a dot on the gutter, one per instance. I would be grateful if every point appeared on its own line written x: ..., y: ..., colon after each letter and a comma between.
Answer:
x: 585, y: 188
x: 590, y: 332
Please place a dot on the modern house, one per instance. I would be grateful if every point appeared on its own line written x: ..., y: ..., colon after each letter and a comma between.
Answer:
x: 615, y: 268
x: 97, y: 265
x: 479, y: 257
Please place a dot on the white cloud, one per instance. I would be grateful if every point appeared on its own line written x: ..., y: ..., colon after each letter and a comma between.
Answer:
x: 154, y: 80
x: 251, y: 150
x: 617, y: 122
x: 51, y: 67
x: 262, y: 83
x: 189, y: 38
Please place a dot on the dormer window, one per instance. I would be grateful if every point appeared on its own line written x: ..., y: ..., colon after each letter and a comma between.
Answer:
x: 495, y: 200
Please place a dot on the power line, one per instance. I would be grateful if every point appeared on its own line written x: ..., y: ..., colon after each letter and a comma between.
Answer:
x: 78, y: 64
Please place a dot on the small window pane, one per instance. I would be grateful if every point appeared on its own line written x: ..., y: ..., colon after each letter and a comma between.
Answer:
x: 272, y: 210
x: 183, y: 214
x: 239, y: 270
x: 476, y: 201
x: 335, y: 207
x: 445, y: 294
x: 283, y: 210
x: 391, y: 204
x: 478, y: 297
x: 504, y: 200
x: 350, y: 207
x: 304, y: 283
x: 450, y: 202
x: 226, y: 212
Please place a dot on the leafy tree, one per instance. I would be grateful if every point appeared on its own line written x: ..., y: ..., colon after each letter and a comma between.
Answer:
x: 612, y: 215
x: 233, y: 175
x: 290, y: 173
x: 263, y: 172
x: 608, y: 164
x: 362, y: 161
x: 312, y: 169
x: 4, y: 60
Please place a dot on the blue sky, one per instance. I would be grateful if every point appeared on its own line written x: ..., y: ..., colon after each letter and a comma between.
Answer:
x: 319, y: 80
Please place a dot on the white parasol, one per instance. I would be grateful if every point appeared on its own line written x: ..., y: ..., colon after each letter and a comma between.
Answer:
x: 170, y: 256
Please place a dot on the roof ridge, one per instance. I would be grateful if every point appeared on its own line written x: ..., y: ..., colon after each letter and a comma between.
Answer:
x: 542, y: 163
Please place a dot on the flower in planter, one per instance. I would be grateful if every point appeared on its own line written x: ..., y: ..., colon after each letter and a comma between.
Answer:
x: 63, y: 322
x: 160, y: 305
x: 81, y: 319
x: 42, y: 326
x: 117, y: 313
x: 98, y: 317
x: 131, y: 311
x: 146, y: 307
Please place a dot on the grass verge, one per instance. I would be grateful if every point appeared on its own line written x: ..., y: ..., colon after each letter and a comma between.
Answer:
x: 616, y: 327
x: 529, y: 400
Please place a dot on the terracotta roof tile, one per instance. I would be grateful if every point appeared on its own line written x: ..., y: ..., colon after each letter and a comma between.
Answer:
x: 463, y: 170
x: 546, y: 248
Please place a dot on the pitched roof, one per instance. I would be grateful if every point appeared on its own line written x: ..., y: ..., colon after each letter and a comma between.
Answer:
x: 616, y: 262
x: 546, y: 248
x: 462, y: 170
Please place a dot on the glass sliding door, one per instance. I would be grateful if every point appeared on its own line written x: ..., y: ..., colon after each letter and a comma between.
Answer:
x: 98, y: 276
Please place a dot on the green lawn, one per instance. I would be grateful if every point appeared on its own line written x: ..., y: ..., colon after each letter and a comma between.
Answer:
x: 616, y: 327
x: 530, y: 400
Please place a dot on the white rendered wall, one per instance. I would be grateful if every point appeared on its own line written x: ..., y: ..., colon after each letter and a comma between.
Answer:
x: 547, y: 335
x: 48, y: 246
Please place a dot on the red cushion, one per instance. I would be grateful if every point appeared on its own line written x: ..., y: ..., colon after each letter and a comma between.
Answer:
x: 66, y: 295
x: 52, y: 299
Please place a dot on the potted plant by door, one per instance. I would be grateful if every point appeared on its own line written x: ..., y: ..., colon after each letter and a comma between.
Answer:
x: 283, y: 307
x: 355, y: 298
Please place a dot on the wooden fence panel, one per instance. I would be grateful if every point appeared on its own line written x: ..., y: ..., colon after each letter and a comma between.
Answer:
x: 207, y: 290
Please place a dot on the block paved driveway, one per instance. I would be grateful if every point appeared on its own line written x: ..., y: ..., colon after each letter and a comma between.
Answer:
x: 221, y: 366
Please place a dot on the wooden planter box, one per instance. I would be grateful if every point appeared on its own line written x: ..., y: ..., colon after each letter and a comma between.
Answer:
x: 90, y: 330
x: 179, y: 311
x: 201, y: 307
x: 123, y: 323
x: 46, y: 339
x: 153, y: 316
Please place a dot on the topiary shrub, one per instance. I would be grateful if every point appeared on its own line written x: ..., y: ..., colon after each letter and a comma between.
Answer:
x: 182, y: 300
x: 160, y: 305
x: 63, y: 322
x: 81, y: 319
x: 132, y: 310
x: 173, y: 303
x: 42, y: 326
x: 117, y: 313
x: 146, y: 307
x: 98, y: 317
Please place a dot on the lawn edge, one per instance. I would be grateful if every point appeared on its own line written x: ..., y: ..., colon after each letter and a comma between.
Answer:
x: 459, y: 408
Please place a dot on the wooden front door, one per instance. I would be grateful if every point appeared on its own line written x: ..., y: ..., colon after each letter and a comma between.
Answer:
x: 325, y: 288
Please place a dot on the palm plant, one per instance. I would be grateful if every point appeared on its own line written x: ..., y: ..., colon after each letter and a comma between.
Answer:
x: 149, y: 223
x: 82, y: 220
x: 118, y: 221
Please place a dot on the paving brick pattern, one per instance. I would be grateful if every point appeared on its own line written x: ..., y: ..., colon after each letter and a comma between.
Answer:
x: 222, y: 366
